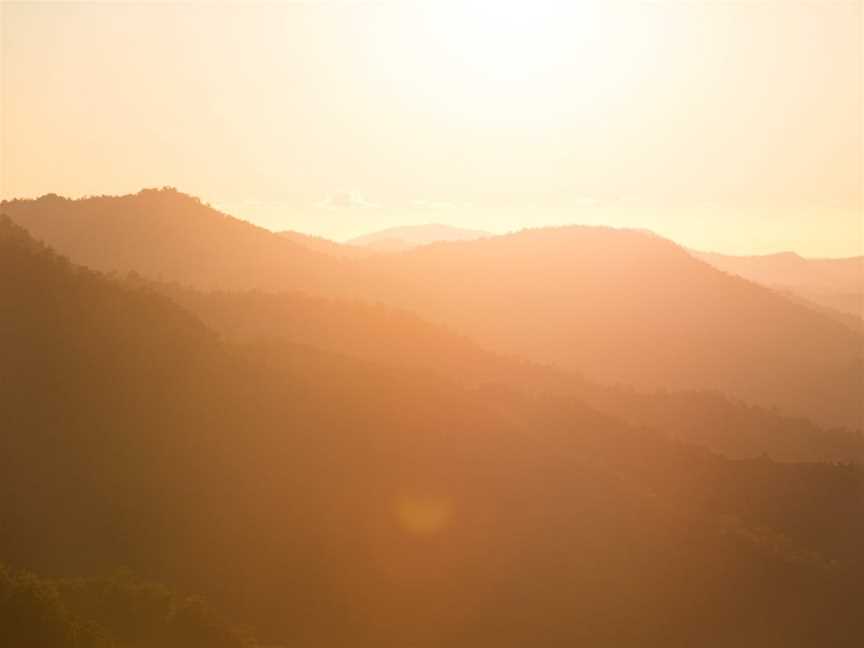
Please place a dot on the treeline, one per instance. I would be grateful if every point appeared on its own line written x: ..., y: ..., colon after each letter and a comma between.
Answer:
x: 115, y: 612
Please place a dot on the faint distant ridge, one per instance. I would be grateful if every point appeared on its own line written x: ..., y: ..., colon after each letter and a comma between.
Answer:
x: 814, y: 271
x: 411, y: 236
x: 326, y: 246
x: 832, y: 283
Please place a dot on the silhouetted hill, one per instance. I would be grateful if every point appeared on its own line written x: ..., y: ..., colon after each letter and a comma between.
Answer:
x: 410, y: 236
x: 832, y: 283
x: 332, y: 502
x: 619, y: 306
x: 164, y: 234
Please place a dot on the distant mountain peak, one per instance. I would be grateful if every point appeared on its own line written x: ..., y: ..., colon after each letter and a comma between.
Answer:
x: 409, y: 236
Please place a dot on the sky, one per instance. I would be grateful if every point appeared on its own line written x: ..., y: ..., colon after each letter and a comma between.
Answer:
x: 727, y: 126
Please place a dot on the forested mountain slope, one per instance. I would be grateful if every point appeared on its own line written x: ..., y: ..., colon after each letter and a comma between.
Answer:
x: 391, y: 337
x: 628, y: 307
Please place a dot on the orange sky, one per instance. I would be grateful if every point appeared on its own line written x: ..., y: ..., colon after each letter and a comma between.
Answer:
x: 728, y: 126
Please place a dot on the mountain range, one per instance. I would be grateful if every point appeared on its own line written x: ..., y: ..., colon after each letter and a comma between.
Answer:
x: 620, y: 307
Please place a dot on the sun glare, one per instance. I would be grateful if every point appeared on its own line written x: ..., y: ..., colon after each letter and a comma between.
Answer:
x: 521, y: 61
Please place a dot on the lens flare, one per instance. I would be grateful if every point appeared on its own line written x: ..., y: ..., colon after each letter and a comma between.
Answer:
x: 423, y: 515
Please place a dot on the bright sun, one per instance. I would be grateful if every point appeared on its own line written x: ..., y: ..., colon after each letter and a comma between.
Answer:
x: 522, y: 61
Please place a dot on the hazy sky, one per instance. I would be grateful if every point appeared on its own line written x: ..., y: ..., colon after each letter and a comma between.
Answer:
x: 733, y: 126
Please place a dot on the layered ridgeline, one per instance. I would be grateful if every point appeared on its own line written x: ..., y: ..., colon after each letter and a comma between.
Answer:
x: 390, y: 337
x: 619, y: 306
x: 837, y: 284
x: 325, y: 500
